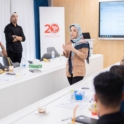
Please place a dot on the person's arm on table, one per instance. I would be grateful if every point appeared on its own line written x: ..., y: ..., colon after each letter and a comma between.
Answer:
x: 3, y: 50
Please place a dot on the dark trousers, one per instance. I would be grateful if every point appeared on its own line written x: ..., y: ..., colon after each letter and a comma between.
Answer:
x: 15, y: 57
x: 72, y: 80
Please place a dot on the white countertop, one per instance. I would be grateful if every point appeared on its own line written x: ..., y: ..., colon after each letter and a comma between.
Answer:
x: 25, y: 74
x: 47, y: 67
x: 56, y: 114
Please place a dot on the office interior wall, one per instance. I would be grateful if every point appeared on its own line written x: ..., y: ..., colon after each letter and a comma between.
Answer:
x: 25, y: 12
x: 86, y: 14
x: 4, y: 18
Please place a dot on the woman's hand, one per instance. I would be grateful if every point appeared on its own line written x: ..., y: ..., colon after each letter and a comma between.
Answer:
x: 70, y: 48
x: 63, y: 46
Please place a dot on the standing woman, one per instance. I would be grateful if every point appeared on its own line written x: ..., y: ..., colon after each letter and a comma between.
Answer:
x: 76, y: 50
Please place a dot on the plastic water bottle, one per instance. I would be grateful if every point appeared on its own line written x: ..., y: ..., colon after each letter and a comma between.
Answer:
x: 60, y: 57
x: 52, y: 55
x: 23, y: 62
x: 72, y: 95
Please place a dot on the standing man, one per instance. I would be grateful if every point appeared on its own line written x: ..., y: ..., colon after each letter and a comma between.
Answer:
x: 14, y: 36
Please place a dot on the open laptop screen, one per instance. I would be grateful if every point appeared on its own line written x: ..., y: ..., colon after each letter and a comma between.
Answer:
x: 86, y: 35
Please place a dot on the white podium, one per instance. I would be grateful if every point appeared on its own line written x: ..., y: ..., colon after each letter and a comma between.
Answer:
x: 91, y: 45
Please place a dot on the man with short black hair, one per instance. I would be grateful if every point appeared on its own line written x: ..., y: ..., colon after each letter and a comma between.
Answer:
x: 14, y: 36
x: 108, y: 96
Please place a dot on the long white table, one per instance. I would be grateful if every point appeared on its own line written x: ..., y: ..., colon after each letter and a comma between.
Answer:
x: 28, y: 88
x: 56, y: 114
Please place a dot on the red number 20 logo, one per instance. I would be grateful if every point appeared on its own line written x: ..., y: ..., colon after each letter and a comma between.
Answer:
x: 54, y: 28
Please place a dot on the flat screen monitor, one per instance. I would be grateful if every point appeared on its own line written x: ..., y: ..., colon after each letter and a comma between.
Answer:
x: 86, y: 35
x: 111, y: 19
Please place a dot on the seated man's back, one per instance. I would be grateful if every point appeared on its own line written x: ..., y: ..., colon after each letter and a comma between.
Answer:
x: 115, y: 118
x: 108, y: 96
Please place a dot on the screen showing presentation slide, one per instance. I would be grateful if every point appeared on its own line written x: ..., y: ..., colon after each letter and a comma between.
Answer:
x: 111, y: 19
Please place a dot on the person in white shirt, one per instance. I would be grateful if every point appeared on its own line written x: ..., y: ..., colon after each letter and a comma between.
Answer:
x: 3, y: 52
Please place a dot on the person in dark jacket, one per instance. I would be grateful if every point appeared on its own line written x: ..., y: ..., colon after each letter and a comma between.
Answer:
x: 14, y: 36
x: 108, y: 97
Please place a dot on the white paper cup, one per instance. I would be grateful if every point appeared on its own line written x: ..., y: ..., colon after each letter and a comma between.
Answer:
x: 11, y: 68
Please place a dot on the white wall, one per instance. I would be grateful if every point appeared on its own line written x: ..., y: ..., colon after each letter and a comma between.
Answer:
x: 25, y: 10
x: 49, y: 16
x: 4, y: 18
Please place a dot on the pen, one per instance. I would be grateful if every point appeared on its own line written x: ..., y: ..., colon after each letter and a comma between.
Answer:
x: 66, y: 119
x: 91, y: 100
x: 85, y: 88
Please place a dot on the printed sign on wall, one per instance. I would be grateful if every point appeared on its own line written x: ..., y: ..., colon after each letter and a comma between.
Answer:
x: 52, y: 28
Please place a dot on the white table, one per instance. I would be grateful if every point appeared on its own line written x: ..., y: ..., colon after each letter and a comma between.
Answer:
x: 56, y: 114
x: 29, y: 88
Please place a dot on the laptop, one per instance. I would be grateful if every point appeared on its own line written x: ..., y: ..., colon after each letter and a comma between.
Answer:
x: 86, y: 35
x: 85, y: 120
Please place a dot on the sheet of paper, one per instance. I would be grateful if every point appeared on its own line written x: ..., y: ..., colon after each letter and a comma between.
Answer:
x: 88, y: 97
x: 6, y: 77
x: 72, y: 105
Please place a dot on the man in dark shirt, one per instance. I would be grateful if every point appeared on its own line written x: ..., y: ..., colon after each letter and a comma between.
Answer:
x: 108, y: 96
x: 14, y: 36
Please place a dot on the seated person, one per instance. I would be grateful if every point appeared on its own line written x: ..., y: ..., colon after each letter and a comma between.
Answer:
x: 108, y: 97
x: 119, y: 70
x: 3, y: 52
x: 114, y: 68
